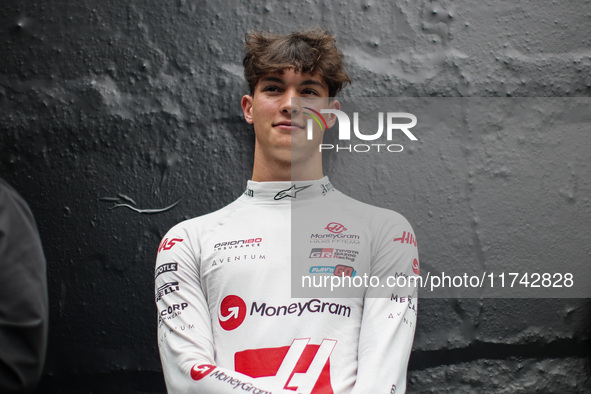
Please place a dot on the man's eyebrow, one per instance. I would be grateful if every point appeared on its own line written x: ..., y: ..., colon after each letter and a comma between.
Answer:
x: 312, y: 82
x: 270, y: 78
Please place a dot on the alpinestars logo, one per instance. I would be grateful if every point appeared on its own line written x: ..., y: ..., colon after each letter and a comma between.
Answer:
x: 335, y: 228
x: 291, y: 192
x: 232, y: 312
x: 301, y: 367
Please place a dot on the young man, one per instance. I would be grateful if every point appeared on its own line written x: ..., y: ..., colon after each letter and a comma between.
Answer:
x: 227, y: 321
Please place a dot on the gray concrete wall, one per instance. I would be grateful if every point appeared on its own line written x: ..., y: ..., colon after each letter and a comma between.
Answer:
x: 141, y: 100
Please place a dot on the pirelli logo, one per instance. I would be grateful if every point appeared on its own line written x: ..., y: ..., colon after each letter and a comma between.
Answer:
x: 167, y: 288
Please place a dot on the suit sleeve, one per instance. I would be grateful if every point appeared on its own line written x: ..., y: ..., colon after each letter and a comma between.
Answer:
x: 389, y: 317
x: 23, y: 296
x: 185, y: 339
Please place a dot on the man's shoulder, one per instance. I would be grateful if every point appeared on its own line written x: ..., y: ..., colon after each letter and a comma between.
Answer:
x: 372, y: 213
x: 9, y: 196
x: 14, y: 210
x: 205, y: 221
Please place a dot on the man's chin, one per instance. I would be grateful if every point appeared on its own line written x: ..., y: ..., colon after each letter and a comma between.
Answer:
x: 295, y: 153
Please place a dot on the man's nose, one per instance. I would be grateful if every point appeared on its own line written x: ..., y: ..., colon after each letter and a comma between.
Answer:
x: 291, y: 104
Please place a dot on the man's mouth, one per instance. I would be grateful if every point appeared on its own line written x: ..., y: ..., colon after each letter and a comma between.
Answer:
x: 288, y: 126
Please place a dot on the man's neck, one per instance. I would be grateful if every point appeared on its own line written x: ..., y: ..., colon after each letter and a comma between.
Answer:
x: 284, y: 171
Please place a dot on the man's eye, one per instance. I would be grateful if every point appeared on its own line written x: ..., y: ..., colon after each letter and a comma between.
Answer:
x: 310, y: 91
x: 271, y: 88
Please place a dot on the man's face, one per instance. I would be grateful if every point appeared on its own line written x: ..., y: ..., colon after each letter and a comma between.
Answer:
x: 280, y: 127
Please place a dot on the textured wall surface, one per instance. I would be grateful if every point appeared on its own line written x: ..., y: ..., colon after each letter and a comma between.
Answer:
x: 138, y: 103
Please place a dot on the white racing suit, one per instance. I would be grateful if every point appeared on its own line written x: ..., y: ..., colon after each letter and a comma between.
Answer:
x: 227, y: 322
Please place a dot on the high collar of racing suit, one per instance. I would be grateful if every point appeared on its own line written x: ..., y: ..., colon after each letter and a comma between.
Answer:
x: 287, y: 191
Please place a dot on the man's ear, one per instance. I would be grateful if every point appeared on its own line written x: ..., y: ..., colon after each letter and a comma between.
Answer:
x: 247, y: 108
x: 334, y: 104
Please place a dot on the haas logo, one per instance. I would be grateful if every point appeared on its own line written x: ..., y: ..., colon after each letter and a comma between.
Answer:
x: 232, y: 312
x: 167, y: 245
x: 335, y: 228
x: 301, y: 367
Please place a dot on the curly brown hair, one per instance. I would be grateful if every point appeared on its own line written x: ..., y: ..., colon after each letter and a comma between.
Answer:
x: 310, y: 51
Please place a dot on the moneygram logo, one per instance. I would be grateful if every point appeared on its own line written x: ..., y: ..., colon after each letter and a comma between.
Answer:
x: 335, y: 228
x: 415, y: 267
x: 198, y: 372
x: 392, y: 124
x: 232, y: 312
